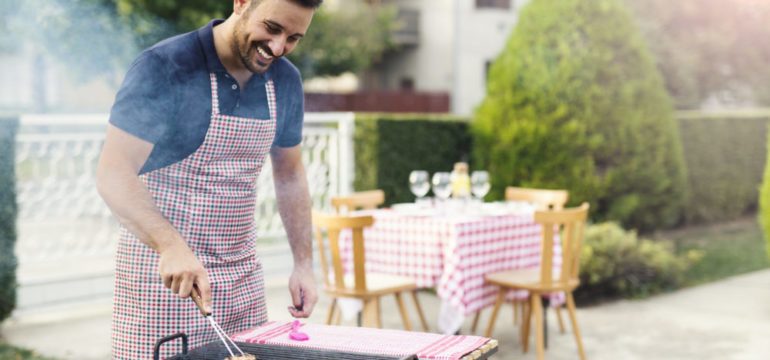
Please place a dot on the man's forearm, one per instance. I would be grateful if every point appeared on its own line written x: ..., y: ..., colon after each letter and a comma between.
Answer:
x: 131, y: 203
x: 294, y: 206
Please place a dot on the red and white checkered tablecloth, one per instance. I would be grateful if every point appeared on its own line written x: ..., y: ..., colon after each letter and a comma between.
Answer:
x: 452, y: 253
x: 365, y: 340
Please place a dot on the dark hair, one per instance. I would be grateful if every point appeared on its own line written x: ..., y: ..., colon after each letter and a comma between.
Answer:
x: 312, y: 4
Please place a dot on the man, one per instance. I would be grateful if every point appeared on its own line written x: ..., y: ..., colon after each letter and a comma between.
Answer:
x: 189, y: 131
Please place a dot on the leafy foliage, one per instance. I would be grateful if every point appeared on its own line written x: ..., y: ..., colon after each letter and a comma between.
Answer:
x: 388, y: 147
x: 8, y: 211
x: 574, y: 101
x: 764, y: 200
x: 338, y: 41
x: 344, y: 41
x: 615, y: 263
x: 709, y: 48
x: 725, y: 157
x: 14, y: 353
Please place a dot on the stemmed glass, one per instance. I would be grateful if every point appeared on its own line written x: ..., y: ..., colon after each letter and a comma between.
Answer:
x: 442, y: 185
x: 480, y: 184
x: 419, y: 183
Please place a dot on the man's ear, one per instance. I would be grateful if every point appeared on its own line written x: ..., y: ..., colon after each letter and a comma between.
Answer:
x: 240, y: 6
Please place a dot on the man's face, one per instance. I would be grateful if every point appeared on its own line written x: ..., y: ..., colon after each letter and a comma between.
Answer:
x: 269, y: 31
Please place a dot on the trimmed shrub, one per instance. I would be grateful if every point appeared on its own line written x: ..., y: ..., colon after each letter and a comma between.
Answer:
x: 725, y: 156
x: 8, y: 209
x: 388, y: 147
x: 764, y: 201
x: 574, y: 101
x: 615, y: 263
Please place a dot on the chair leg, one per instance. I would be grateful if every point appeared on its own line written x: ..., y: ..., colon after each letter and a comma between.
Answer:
x: 526, y: 323
x: 371, y: 313
x: 475, y: 322
x: 402, y: 310
x: 337, y: 316
x: 537, y: 308
x: 419, y: 311
x: 516, y: 308
x: 378, y: 314
x: 500, y: 300
x: 573, y: 319
x: 557, y: 310
x: 332, y: 309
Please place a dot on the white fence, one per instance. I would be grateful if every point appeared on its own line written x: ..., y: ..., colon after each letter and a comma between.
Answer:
x: 67, y: 236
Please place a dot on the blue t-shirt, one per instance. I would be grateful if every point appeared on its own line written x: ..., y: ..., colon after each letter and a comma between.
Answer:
x: 165, y: 98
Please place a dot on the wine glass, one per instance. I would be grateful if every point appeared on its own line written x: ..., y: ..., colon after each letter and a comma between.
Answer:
x: 419, y: 183
x: 480, y: 184
x: 442, y: 185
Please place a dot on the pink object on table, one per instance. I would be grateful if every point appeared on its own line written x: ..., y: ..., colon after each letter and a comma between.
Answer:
x: 295, y: 334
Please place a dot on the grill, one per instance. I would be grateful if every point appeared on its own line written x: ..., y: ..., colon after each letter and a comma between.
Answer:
x: 217, y: 350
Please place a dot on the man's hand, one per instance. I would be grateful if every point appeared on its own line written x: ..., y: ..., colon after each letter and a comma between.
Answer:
x: 303, y: 291
x: 180, y: 270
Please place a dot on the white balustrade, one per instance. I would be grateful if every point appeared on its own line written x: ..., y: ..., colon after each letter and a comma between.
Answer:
x: 66, y: 232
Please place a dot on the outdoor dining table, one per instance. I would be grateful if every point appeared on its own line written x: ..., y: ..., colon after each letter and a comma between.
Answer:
x: 450, y: 247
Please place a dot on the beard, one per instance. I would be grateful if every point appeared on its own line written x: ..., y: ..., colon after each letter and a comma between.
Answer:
x: 247, y: 51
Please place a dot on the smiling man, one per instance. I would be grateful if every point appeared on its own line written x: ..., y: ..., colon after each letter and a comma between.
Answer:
x: 194, y: 120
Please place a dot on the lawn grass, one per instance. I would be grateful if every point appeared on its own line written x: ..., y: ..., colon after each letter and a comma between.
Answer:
x: 729, y: 248
x: 9, y: 352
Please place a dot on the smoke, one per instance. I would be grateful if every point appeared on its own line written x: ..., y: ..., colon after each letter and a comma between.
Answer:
x: 90, y: 38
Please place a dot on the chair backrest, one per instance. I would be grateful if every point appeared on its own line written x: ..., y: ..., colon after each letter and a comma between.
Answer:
x: 569, y: 226
x: 358, y: 200
x: 547, y: 199
x: 331, y: 225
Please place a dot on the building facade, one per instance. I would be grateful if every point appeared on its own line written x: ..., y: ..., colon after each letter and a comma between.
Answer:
x: 445, y: 46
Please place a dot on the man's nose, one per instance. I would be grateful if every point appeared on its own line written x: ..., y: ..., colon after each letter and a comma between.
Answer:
x: 278, y: 46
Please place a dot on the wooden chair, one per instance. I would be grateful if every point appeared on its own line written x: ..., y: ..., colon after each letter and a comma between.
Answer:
x: 567, y: 225
x: 359, y: 285
x: 358, y: 200
x: 546, y: 199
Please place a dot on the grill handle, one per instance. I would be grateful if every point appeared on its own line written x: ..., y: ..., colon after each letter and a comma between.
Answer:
x: 156, y: 349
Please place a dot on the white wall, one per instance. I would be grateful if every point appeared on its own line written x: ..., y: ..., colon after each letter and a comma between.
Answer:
x: 429, y: 64
x: 481, y: 35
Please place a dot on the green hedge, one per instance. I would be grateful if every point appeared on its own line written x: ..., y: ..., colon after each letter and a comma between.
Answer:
x: 725, y: 156
x: 575, y: 101
x: 8, y: 209
x: 764, y: 200
x: 389, y: 146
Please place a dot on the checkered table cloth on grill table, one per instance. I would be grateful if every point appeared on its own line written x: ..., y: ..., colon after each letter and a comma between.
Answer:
x: 365, y: 340
x: 452, y: 253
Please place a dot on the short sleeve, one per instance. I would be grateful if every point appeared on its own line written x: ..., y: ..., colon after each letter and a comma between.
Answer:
x: 293, y: 113
x: 145, y: 103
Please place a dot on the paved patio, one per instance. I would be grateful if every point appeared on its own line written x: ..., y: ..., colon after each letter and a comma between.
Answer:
x: 729, y: 319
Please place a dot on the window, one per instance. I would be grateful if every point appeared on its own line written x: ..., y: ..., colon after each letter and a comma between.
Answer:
x: 406, y: 84
x: 497, y: 4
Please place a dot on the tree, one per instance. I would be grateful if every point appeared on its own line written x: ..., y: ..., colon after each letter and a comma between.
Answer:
x: 348, y: 39
x: 574, y: 101
x: 709, y: 49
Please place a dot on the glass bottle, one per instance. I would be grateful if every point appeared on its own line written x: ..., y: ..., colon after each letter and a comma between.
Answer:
x: 461, y: 182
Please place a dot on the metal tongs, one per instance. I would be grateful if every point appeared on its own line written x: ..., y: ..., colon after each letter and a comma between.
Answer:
x: 198, y: 299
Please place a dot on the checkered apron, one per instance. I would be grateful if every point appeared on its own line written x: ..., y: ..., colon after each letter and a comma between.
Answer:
x: 210, y: 199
